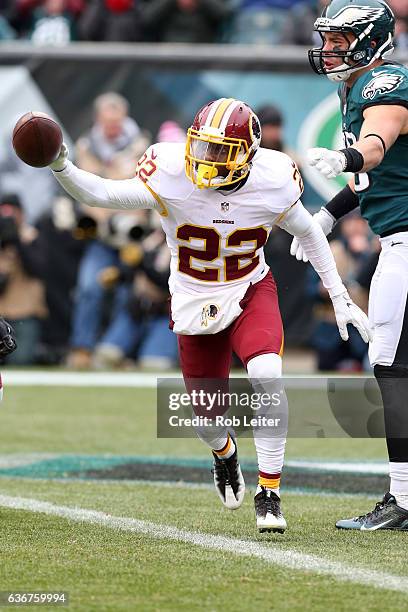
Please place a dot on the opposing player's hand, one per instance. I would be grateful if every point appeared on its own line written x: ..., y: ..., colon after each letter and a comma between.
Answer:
x: 347, y: 312
x: 326, y: 222
x: 297, y: 250
x: 327, y: 162
x: 8, y: 342
x: 61, y: 161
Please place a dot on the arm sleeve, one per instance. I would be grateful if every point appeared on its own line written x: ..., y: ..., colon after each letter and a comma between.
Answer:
x: 300, y: 223
x: 93, y: 190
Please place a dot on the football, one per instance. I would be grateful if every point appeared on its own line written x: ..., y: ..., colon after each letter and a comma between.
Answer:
x: 37, y: 139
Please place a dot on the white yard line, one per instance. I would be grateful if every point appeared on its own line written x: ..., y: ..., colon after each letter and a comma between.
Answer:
x: 284, y: 558
x: 374, y: 468
x: 80, y: 379
x: 41, y: 378
x: 14, y: 460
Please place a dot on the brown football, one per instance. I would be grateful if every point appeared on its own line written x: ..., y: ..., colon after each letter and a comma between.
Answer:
x: 37, y: 139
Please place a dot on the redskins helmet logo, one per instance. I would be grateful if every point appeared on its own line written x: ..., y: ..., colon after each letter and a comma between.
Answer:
x: 256, y: 128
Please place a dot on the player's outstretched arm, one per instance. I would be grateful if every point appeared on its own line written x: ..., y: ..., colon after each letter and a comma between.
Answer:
x: 380, y: 129
x: 299, y: 222
x: 93, y: 190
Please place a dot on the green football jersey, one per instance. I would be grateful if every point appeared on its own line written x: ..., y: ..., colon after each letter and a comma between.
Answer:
x: 383, y: 192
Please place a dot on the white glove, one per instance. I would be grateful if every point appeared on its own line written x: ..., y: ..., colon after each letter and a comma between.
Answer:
x: 327, y: 162
x: 347, y: 312
x: 326, y: 222
x: 61, y: 161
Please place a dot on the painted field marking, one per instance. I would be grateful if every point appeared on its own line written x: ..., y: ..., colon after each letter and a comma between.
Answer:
x: 26, y: 378
x: 372, y: 468
x: 13, y: 460
x: 284, y: 558
x: 36, y: 378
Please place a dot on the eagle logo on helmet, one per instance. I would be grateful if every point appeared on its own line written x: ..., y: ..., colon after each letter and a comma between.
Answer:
x: 353, y: 15
x: 382, y: 83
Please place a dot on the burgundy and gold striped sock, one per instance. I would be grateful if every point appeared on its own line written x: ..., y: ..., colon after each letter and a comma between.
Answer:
x: 269, y: 481
x: 227, y: 450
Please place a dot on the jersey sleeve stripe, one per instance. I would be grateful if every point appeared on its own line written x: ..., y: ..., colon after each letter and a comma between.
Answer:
x: 163, y: 209
x: 285, y: 212
x: 282, y: 346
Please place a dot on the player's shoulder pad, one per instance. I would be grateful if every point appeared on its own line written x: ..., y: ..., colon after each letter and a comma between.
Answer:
x: 383, y: 85
x: 160, y: 164
x: 278, y: 179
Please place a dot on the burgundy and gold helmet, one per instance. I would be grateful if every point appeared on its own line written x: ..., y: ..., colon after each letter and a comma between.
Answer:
x: 221, y: 142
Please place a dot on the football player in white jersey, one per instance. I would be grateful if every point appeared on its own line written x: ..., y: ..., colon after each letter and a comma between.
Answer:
x: 218, y: 197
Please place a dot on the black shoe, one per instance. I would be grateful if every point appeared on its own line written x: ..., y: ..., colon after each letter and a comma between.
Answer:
x: 228, y: 480
x: 386, y: 515
x: 268, y: 511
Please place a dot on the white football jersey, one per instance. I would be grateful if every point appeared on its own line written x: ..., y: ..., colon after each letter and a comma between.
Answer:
x: 216, y: 237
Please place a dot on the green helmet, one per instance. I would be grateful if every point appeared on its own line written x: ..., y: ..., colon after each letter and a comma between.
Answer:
x: 371, y: 21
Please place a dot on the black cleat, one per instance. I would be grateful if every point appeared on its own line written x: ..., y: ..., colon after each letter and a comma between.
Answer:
x: 228, y: 480
x: 268, y: 512
x: 386, y: 515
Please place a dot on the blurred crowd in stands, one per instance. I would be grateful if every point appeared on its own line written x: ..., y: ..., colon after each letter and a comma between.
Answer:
x: 57, y: 22
x: 87, y: 287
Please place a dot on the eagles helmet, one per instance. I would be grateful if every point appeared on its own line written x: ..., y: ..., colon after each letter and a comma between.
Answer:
x: 221, y: 142
x: 371, y: 21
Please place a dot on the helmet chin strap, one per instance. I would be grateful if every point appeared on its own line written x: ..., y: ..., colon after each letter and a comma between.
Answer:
x: 205, y: 174
x: 344, y: 71
x: 209, y: 174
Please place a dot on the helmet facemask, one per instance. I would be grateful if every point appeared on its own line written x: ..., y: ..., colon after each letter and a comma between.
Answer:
x: 357, y: 56
x: 213, y: 160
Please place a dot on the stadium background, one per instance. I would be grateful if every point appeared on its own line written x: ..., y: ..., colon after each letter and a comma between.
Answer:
x: 169, y: 82
x: 88, y: 441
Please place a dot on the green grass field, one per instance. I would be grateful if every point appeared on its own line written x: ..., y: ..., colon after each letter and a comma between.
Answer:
x: 178, y: 548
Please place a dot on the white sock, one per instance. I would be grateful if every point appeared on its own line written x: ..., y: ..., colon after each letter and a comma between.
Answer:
x: 399, y: 483
x: 402, y: 500
x: 270, y: 453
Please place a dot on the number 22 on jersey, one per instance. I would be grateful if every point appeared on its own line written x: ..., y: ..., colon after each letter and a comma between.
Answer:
x: 234, y: 267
